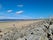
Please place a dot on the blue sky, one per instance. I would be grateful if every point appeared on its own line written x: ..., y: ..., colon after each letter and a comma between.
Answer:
x: 25, y: 9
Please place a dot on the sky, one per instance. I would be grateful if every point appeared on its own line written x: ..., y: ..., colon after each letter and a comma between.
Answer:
x: 26, y: 9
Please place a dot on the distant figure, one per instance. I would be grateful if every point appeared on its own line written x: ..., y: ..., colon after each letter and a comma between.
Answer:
x: 14, y: 25
x: 1, y: 36
x: 0, y: 31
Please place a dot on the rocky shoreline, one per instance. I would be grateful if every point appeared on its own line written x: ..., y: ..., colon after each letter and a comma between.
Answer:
x: 42, y: 30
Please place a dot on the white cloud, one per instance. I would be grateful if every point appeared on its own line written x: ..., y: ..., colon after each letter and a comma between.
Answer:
x: 20, y: 5
x: 9, y: 11
x: 19, y: 12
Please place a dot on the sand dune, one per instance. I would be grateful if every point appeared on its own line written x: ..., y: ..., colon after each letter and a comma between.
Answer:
x: 17, y: 24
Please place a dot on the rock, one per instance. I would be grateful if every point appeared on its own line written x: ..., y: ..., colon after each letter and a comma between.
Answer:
x: 43, y: 38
